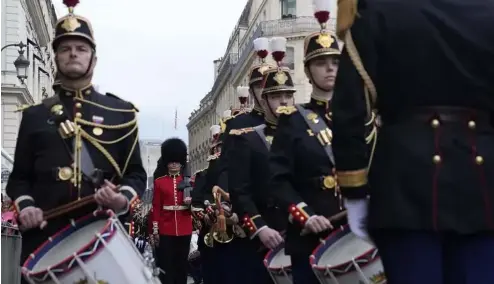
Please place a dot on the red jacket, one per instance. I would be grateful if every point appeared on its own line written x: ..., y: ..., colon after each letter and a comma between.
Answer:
x: 169, y: 216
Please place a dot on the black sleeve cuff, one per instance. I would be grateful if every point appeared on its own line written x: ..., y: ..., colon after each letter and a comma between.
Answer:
x: 300, y: 213
x: 22, y: 202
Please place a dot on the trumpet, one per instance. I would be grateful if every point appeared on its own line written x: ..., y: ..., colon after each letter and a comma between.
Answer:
x: 225, y: 226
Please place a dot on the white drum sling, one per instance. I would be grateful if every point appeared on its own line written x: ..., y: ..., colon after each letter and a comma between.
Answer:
x: 95, y: 249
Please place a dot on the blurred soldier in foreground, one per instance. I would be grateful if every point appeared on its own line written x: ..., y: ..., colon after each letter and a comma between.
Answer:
x: 427, y: 67
x: 50, y: 171
x: 171, y: 216
x: 249, y: 172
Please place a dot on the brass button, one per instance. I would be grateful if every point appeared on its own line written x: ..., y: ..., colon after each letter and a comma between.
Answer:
x: 88, y: 92
x: 78, y: 114
x: 65, y: 173
x: 78, y: 105
x: 479, y: 160
x: 435, y: 123
x: 436, y: 159
x: 68, y: 93
x: 471, y: 124
x: 329, y: 182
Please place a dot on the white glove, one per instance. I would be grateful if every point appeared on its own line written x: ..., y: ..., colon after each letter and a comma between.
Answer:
x: 357, y: 217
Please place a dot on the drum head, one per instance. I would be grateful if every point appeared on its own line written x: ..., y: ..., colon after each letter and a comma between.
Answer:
x: 276, y: 259
x: 339, y: 249
x: 57, y: 253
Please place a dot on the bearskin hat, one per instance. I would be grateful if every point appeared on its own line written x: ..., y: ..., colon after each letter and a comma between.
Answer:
x: 173, y: 150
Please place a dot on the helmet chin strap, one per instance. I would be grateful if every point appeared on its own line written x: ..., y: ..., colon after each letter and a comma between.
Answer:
x: 256, y: 101
x: 269, y: 107
x: 75, y: 78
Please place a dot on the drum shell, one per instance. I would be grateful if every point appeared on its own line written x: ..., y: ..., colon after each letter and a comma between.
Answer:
x: 114, y: 259
x: 11, y: 255
x: 366, y: 267
x: 279, y: 266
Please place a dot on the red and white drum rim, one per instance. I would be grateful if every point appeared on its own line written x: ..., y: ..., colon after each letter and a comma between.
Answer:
x: 363, y: 260
x: 269, y: 258
x: 85, y: 253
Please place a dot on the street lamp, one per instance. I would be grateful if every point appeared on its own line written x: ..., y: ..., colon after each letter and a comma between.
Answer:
x: 21, y: 63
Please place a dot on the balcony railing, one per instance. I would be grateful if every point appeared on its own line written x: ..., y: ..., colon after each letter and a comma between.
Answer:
x: 228, y: 63
x: 282, y: 27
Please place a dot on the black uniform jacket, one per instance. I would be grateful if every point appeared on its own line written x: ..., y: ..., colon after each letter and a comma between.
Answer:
x: 197, y: 203
x: 299, y: 165
x: 432, y: 64
x: 243, y: 120
x: 248, y: 176
x: 41, y: 152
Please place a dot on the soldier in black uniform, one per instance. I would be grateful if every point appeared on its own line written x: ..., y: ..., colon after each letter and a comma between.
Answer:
x: 48, y: 170
x: 302, y: 161
x: 249, y: 175
x: 245, y: 118
x: 431, y: 184
x: 202, y: 212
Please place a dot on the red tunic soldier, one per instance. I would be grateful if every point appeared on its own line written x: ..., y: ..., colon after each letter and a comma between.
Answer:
x: 171, y: 216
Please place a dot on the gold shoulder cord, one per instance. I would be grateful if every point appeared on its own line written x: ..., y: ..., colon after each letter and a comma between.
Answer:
x: 347, y: 12
x: 97, y: 143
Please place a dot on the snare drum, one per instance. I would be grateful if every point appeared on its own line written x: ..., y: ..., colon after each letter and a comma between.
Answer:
x: 279, y: 266
x: 94, y: 249
x: 343, y: 258
x: 11, y: 253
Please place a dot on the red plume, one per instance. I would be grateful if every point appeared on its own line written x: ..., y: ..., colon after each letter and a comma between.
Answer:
x: 322, y: 16
x: 71, y: 3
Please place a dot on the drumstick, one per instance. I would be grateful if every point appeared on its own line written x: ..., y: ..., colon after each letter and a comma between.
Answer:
x: 335, y: 217
x: 56, y: 212
x: 68, y: 205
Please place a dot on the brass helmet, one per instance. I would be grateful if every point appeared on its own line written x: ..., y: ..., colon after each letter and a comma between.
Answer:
x: 321, y: 43
x: 278, y: 79
x: 73, y: 25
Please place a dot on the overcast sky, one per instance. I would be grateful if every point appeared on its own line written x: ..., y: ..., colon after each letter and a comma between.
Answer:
x: 158, y: 54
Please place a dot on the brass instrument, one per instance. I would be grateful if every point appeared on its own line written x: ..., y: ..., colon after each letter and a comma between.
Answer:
x: 221, y: 235
x: 222, y: 231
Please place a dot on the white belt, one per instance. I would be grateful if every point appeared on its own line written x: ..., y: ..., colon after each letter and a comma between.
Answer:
x: 175, y: 207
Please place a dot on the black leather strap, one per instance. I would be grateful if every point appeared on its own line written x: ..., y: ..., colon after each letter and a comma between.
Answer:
x: 260, y: 131
x: 90, y: 173
x: 317, y: 126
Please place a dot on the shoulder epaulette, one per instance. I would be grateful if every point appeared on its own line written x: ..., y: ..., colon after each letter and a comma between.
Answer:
x: 286, y: 110
x: 119, y: 98
x: 347, y: 11
x: 24, y: 107
x: 241, y: 131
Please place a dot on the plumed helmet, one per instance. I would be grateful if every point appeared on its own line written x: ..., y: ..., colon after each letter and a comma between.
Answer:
x: 173, y: 150
x: 73, y: 25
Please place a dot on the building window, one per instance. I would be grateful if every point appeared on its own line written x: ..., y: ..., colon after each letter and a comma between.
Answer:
x: 288, y: 9
x: 289, y: 60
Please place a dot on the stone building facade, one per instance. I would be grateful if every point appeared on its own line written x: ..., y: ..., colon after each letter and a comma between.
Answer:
x: 292, y: 19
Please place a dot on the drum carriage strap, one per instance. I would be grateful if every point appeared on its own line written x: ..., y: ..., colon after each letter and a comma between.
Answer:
x: 319, y: 129
x: 260, y: 131
x: 89, y: 172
